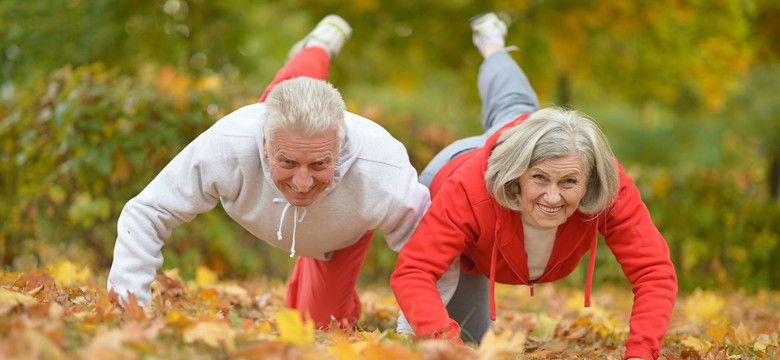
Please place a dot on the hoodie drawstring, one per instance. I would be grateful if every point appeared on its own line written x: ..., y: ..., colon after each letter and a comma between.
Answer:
x: 493, y: 258
x: 591, y: 266
x: 296, y: 220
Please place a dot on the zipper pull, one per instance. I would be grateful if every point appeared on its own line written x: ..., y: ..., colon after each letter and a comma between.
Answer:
x: 532, y: 289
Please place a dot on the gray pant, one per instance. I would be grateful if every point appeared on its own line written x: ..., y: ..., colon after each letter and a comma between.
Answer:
x: 506, y: 94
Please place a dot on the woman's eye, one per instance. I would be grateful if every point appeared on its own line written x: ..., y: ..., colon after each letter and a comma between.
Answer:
x: 537, y: 177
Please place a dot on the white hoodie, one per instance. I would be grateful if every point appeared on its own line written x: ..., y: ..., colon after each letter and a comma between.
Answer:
x: 374, y: 187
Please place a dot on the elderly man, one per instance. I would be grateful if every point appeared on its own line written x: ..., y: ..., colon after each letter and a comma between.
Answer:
x: 296, y: 170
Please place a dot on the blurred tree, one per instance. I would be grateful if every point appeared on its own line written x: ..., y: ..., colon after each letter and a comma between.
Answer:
x: 670, y: 81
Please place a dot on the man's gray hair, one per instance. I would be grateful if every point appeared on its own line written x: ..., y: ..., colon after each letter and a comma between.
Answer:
x: 306, y: 105
x: 550, y: 133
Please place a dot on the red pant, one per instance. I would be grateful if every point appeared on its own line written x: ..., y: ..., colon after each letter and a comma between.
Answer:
x: 323, y: 289
x: 313, y: 62
x: 327, y: 289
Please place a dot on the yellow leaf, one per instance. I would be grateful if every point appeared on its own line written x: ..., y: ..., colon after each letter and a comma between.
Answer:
x: 762, y: 342
x: 368, y: 335
x: 14, y: 298
x: 698, y: 344
x: 292, y: 329
x: 703, y: 306
x: 204, y: 276
x: 545, y: 329
x: 505, y: 345
x: 68, y: 274
x: 743, y: 336
x: 211, y: 333
x: 343, y: 349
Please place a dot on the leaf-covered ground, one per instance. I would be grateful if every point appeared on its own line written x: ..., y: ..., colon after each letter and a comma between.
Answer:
x: 64, y: 312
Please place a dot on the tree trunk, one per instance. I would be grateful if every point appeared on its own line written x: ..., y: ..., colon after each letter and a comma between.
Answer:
x: 564, y: 90
x: 774, y: 176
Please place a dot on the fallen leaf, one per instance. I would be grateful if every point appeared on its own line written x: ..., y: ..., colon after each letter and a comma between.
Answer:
x: 67, y: 274
x: 212, y: 333
x: 698, y: 344
x: 505, y: 345
x: 743, y: 336
x: 703, y: 306
x: 717, y: 332
x: 14, y: 298
x: 544, y: 329
x: 292, y: 329
x: 204, y: 276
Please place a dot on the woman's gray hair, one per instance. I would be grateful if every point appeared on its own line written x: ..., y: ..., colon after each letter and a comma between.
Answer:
x: 550, y: 133
x: 309, y: 106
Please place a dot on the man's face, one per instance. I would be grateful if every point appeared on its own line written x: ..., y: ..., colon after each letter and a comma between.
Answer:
x: 302, y: 166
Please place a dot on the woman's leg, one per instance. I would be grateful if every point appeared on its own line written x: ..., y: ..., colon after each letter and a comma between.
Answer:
x: 506, y: 94
x: 470, y: 306
x: 326, y: 290
x: 505, y: 91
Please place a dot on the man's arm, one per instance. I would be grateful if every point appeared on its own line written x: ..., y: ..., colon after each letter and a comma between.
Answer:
x: 187, y: 186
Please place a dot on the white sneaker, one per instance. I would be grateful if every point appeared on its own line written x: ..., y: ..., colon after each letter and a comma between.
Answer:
x: 330, y: 34
x: 487, y: 28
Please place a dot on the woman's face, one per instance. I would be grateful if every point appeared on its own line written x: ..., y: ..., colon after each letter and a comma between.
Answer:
x: 551, y: 190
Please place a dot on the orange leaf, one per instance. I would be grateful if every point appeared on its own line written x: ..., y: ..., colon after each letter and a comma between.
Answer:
x: 717, y: 332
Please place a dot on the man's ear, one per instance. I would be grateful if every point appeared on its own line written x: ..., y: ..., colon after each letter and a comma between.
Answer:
x: 265, y: 149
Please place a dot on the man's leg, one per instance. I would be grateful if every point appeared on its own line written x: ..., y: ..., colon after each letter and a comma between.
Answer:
x: 313, y: 62
x: 312, y: 55
x: 327, y: 289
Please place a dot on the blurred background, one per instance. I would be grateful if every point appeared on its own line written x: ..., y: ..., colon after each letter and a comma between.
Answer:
x: 97, y: 96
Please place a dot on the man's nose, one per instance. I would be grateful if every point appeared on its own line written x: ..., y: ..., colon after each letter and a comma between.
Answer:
x: 302, y: 180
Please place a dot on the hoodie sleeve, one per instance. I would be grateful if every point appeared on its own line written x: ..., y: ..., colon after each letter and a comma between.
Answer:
x: 644, y: 257
x: 187, y: 186
x: 410, y: 201
x: 439, y: 240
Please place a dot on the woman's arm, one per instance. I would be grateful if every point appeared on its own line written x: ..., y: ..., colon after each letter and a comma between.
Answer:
x: 644, y: 257
x: 439, y: 240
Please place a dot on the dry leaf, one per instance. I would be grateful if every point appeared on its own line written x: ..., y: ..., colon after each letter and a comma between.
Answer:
x: 505, y: 345
x: 14, y: 298
x: 743, y: 336
x: 204, y: 276
x: 717, y: 332
x: 212, y: 333
x: 292, y: 329
x: 703, y: 306
x: 545, y: 328
x: 696, y: 343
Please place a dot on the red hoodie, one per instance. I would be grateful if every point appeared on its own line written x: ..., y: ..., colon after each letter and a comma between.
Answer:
x: 465, y: 220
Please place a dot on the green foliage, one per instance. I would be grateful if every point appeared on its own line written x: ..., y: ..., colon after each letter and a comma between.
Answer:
x: 80, y: 143
x: 89, y: 112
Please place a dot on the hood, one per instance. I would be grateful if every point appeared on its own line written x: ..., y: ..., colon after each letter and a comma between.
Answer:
x: 348, y: 153
x: 490, y: 144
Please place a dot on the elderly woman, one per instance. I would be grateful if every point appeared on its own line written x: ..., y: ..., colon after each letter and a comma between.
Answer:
x: 522, y: 204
